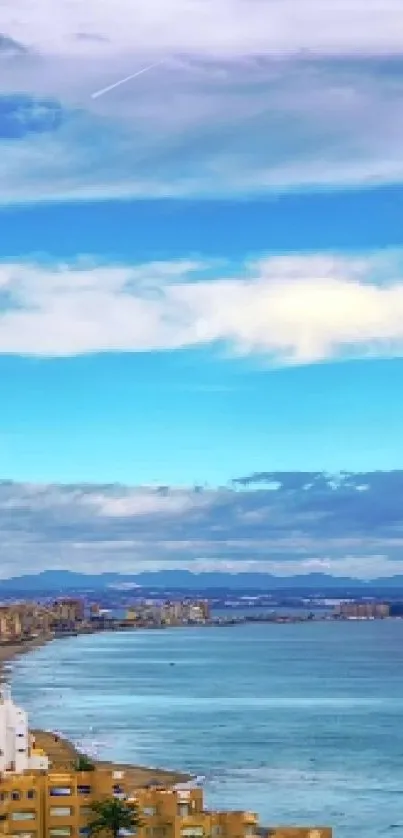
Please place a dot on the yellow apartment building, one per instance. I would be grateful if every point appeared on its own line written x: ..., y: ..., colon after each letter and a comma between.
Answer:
x: 57, y: 805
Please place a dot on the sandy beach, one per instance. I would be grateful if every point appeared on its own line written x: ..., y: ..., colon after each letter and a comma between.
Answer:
x: 62, y: 753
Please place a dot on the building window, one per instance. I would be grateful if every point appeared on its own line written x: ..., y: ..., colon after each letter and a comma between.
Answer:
x: 60, y: 791
x: 183, y: 810
x: 84, y: 789
x: 85, y: 811
x: 31, y: 794
x: 61, y: 831
x: 3, y: 795
x: 15, y: 795
x: 149, y: 811
x: 60, y: 811
x: 23, y: 816
x: 85, y: 830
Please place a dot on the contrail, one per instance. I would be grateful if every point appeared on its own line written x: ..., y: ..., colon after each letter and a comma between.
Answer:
x: 110, y: 87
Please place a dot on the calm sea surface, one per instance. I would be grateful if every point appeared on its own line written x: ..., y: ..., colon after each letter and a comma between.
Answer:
x: 302, y: 723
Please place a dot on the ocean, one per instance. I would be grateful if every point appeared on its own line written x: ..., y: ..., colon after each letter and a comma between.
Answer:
x: 302, y: 723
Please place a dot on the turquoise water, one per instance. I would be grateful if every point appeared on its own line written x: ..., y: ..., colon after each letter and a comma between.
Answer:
x: 302, y: 723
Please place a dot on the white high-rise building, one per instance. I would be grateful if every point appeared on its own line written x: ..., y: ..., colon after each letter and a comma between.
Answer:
x: 16, y: 751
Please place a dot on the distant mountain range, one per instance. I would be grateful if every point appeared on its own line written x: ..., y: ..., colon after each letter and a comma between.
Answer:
x: 65, y: 580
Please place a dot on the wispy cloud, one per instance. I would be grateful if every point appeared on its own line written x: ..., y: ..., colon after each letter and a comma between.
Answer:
x: 300, y: 523
x: 254, y: 95
x: 291, y: 309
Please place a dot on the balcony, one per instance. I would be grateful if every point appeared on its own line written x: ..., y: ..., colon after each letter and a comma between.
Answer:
x: 192, y: 831
x: 192, y: 826
x: 25, y: 818
x: 193, y: 819
x: 64, y: 814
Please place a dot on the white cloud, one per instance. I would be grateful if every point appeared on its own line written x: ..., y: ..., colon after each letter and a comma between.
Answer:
x: 95, y: 528
x: 292, y: 309
x: 255, y: 95
x: 147, y: 501
x: 207, y: 26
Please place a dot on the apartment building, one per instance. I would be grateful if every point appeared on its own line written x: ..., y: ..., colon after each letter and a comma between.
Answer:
x: 363, y: 610
x: 18, y: 753
x: 26, y: 619
x: 169, y: 613
x: 58, y: 805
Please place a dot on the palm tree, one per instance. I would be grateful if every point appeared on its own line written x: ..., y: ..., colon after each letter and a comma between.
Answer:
x: 112, y: 816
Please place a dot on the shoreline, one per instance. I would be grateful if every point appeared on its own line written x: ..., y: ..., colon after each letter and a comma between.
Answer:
x: 13, y: 649
x: 61, y: 751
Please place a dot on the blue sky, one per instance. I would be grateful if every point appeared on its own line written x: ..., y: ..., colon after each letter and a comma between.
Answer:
x: 201, y: 272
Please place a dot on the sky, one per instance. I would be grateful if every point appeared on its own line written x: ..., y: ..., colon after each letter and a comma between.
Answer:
x: 201, y: 279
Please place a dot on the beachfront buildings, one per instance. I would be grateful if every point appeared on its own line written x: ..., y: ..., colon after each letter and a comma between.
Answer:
x: 182, y: 612
x: 362, y: 610
x: 57, y: 804
x: 41, y: 799
x: 22, y: 620
x: 18, y: 753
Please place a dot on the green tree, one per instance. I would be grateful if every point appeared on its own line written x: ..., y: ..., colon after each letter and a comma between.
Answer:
x: 83, y: 763
x: 111, y: 816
